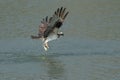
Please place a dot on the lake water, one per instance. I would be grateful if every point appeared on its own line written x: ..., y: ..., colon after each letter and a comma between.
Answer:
x: 90, y: 49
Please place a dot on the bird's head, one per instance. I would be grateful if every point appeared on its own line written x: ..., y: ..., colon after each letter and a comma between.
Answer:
x: 60, y: 34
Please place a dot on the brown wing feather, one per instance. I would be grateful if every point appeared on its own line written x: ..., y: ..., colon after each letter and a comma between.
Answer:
x: 56, y: 21
x: 51, y: 24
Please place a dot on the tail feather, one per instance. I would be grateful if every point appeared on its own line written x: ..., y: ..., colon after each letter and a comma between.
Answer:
x: 35, y: 37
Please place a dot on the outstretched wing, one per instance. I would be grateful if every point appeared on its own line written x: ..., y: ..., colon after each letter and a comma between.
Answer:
x: 51, y: 24
x: 42, y: 27
x: 56, y: 21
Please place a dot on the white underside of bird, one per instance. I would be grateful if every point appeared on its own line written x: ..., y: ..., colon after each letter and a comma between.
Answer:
x: 48, y: 39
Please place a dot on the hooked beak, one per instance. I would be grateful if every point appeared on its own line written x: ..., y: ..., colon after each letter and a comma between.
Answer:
x: 62, y: 34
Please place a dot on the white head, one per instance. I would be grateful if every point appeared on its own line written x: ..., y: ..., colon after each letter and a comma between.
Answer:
x: 60, y: 34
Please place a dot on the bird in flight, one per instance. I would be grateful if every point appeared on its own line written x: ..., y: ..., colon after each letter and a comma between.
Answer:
x: 49, y: 27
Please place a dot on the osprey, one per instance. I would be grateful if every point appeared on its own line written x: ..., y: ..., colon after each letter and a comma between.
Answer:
x: 49, y: 27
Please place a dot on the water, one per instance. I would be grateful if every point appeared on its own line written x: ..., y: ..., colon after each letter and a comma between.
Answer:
x: 90, y: 49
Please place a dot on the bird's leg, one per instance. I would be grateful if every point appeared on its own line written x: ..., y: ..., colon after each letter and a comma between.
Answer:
x: 47, y: 45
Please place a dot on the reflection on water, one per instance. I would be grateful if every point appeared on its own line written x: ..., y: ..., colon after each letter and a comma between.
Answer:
x: 24, y: 59
x: 52, y: 68
x: 55, y: 69
x: 61, y: 67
